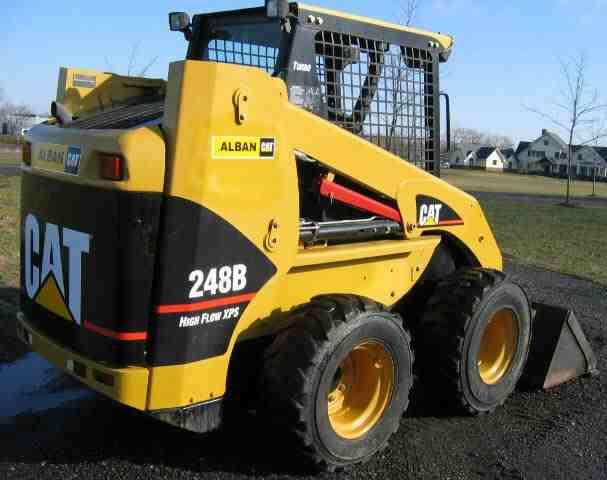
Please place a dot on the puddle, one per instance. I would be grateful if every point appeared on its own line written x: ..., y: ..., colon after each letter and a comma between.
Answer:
x: 29, y: 385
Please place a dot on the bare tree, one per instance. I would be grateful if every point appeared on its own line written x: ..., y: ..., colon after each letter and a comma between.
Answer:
x: 577, y: 108
x: 407, y: 10
x: 13, y: 118
x: 466, y: 135
x: 132, y: 62
x: 473, y: 136
x: 132, y: 58
x: 500, y: 141
x: 143, y: 72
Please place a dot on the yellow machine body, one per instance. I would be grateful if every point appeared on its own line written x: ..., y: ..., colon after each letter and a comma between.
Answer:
x: 193, y: 158
x: 83, y: 91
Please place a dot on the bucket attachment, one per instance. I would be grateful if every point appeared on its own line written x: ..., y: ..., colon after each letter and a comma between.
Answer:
x: 559, y: 349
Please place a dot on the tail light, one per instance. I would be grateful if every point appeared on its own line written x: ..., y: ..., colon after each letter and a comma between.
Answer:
x: 111, y: 166
x: 26, y: 150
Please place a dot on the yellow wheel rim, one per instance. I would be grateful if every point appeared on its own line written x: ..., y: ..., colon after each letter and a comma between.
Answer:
x: 498, y: 346
x: 361, y: 390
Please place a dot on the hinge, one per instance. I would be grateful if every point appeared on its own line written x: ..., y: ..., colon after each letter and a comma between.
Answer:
x: 241, y: 103
x: 272, y: 238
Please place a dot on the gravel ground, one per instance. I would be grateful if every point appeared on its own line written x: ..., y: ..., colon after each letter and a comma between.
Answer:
x: 555, y: 434
x: 11, y: 348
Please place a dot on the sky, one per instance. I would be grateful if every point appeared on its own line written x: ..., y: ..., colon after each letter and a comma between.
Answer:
x: 505, y: 60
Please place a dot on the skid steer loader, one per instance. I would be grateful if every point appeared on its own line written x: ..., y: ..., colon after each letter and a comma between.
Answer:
x: 267, y: 226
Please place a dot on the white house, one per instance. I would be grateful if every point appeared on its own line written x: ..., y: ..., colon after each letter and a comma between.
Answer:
x: 488, y: 158
x: 545, y: 154
x: 549, y: 155
x: 510, y: 161
x: 586, y: 159
x: 459, y: 156
x: 602, y: 151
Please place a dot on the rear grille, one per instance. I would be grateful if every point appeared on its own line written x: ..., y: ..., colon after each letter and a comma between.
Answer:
x: 125, y: 116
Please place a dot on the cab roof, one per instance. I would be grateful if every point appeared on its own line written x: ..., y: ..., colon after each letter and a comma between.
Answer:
x: 357, y: 25
x: 445, y: 41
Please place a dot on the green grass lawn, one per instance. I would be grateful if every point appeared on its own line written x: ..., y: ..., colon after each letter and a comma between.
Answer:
x: 482, y: 181
x: 10, y: 158
x: 9, y: 233
x: 569, y: 240
x: 10, y: 347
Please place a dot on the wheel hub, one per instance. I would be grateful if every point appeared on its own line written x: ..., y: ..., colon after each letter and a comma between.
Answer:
x: 361, y: 390
x: 498, y: 346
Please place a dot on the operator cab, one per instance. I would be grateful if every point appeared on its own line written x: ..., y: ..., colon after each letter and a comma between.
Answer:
x: 375, y: 79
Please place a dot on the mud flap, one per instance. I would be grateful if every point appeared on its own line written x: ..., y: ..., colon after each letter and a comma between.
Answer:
x: 559, y: 349
x: 201, y: 418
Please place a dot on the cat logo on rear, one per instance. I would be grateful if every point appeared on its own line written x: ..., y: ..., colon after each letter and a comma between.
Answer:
x: 46, y: 283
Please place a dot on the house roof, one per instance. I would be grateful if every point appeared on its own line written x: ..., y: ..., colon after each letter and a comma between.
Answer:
x: 554, y: 137
x: 522, y: 146
x: 602, y: 151
x: 484, y: 152
x: 545, y: 133
x: 508, y: 152
x: 465, y: 147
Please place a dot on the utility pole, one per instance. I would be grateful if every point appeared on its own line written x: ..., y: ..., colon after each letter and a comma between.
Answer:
x: 448, y: 115
x: 594, y: 180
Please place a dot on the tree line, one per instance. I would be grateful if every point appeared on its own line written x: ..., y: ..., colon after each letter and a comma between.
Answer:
x: 473, y: 136
x: 13, y: 116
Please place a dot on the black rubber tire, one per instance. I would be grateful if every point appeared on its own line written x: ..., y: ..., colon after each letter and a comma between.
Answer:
x: 450, y: 336
x: 299, y: 367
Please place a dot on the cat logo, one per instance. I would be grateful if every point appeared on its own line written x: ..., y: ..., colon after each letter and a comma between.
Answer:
x: 266, y: 148
x: 58, y: 158
x: 429, y: 214
x: 45, y: 282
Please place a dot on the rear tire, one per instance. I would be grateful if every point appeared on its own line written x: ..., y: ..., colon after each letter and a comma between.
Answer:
x: 441, y: 265
x: 474, y: 339
x: 337, y: 382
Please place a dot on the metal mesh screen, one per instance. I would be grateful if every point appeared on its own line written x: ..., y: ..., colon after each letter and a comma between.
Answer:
x: 243, y: 53
x: 382, y: 92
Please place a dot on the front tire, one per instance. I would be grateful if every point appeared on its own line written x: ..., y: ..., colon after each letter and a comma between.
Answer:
x: 474, y: 338
x: 337, y: 382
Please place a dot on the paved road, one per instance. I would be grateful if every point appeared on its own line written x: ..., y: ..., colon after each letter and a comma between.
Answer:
x: 587, y: 201
x: 9, y: 170
x: 556, y: 434
x: 13, y: 170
